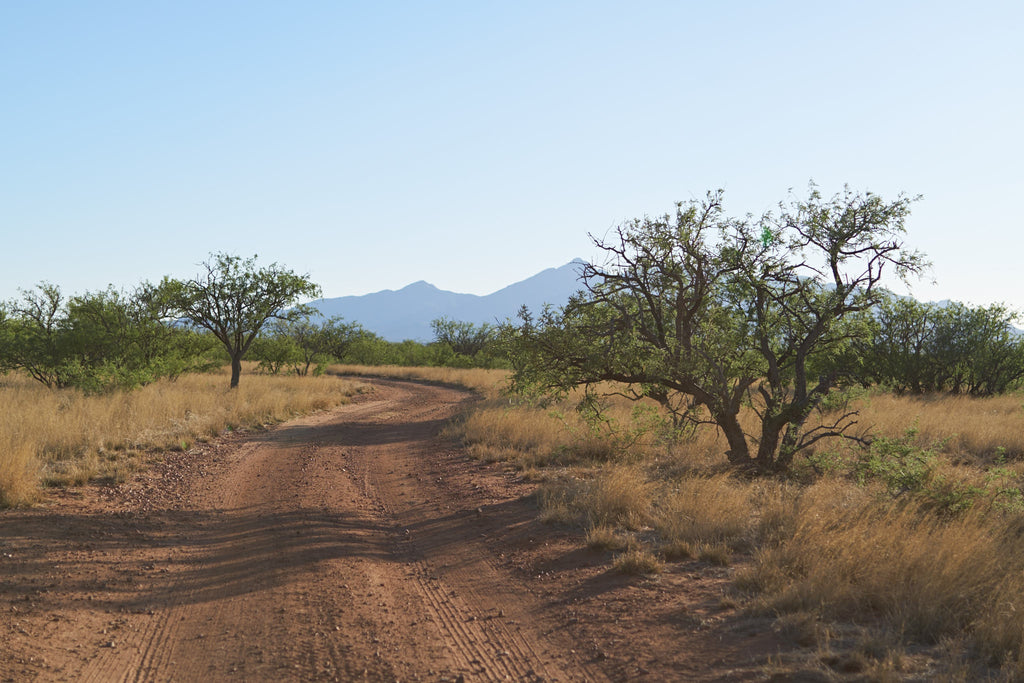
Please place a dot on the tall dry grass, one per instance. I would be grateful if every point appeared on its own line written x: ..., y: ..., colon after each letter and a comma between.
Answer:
x: 944, y: 563
x: 60, y: 437
x: 971, y: 427
x: 854, y: 557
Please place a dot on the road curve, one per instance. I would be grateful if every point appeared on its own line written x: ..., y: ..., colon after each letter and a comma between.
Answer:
x: 333, y: 547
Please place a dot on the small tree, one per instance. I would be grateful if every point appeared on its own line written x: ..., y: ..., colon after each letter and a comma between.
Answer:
x: 340, y: 338
x: 97, y: 341
x: 465, y: 344
x: 128, y: 339
x: 706, y: 314
x: 295, y: 344
x: 38, y: 338
x: 234, y: 299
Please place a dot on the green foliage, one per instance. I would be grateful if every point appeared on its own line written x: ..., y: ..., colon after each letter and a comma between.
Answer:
x: 700, y: 314
x: 907, y: 469
x: 293, y: 346
x: 276, y: 354
x: 897, y: 462
x: 233, y: 300
x: 98, y: 341
x: 920, y: 347
x: 302, y: 345
x: 468, y: 345
x: 1005, y: 487
x: 351, y: 343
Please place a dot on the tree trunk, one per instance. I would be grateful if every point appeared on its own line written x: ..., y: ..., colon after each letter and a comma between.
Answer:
x: 788, y: 450
x: 236, y: 370
x: 770, y: 430
x: 738, y: 453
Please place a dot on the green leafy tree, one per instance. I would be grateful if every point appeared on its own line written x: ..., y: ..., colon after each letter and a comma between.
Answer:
x: 899, y: 353
x: 276, y: 353
x: 924, y: 347
x: 299, y: 345
x: 465, y: 344
x: 128, y: 340
x: 706, y: 314
x: 341, y: 339
x: 38, y: 339
x: 977, y: 350
x: 233, y: 299
x: 97, y: 341
x: 463, y: 337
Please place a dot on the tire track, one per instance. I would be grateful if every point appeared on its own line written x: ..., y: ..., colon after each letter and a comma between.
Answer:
x: 475, y: 602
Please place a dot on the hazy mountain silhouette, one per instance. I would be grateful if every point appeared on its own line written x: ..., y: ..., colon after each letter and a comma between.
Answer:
x: 406, y: 313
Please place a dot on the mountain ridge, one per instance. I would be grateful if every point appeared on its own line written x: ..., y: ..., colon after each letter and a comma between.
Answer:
x: 406, y: 313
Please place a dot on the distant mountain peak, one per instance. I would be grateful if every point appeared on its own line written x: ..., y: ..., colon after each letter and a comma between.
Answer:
x: 407, y: 313
x: 419, y: 285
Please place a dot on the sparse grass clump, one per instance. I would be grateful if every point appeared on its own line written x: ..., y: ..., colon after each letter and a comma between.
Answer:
x: 604, y: 537
x: 637, y: 562
x: 715, y: 553
x: 715, y: 509
x: 615, y: 497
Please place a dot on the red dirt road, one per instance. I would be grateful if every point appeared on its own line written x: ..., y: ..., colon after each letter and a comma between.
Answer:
x: 348, y: 545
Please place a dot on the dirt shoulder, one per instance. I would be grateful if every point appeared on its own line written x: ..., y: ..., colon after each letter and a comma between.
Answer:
x: 351, y: 544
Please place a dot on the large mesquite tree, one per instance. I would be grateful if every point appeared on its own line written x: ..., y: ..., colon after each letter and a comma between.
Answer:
x: 706, y: 314
x: 234, y: 299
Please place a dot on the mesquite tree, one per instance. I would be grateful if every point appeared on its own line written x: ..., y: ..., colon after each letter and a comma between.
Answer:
x: 234, y: 299
x: 707, y: 314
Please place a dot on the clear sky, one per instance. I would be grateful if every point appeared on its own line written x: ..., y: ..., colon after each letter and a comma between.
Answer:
x: 473, y: 144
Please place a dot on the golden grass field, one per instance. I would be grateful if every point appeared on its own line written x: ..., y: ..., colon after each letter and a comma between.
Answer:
x: 63, y: 437
x: 833, y: 555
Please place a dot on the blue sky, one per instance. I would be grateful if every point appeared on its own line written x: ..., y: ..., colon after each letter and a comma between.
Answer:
x: 472, y: 144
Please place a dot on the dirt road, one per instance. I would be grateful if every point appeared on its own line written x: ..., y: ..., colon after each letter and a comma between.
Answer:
x: 329, y: 548
x: 348, y: 545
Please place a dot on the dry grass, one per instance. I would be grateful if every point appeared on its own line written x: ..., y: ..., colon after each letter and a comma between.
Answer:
x: 637, y: 561
x: 62, y: 437
x: 942, y: 563
x: 605, y: 537
x: 529, y: 437
x: 615, y: 497
x: 618, y: 496
x: 709, y: 510
x: 972, y: 428
x: 853, y: 557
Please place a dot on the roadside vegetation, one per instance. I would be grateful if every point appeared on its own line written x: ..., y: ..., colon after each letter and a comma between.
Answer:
x: 95, y: 385
x: 744, y: 393
x: 68, y: 437
x: 891, y: 559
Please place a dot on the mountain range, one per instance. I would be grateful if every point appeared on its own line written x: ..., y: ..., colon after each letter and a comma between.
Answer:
x: 406, y: 313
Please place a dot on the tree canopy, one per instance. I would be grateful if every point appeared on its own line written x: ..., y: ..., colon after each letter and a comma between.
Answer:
x: 706, y: 313
x: 234, y: 299
x: 97, y: 341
